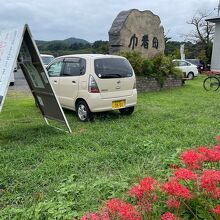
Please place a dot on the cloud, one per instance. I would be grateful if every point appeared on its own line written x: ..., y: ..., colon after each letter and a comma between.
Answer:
x: 91, y: 20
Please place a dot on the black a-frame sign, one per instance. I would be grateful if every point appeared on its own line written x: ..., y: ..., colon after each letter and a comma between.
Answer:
x: 18, y: 46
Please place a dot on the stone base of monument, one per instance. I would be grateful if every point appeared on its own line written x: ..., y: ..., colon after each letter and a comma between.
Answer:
x: 145, y: 84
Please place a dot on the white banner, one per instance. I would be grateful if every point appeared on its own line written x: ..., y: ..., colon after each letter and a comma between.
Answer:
x: 10, y: 42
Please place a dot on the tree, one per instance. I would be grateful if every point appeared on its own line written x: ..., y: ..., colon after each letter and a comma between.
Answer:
x: 166, y: 38
x: 203, y: 33
x: 100, y: 47
x: 56, y: 45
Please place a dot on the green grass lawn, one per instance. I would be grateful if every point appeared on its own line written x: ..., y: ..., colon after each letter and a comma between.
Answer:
x: 46, y: 173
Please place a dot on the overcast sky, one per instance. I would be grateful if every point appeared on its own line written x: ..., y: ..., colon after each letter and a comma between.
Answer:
x: 92, y: 19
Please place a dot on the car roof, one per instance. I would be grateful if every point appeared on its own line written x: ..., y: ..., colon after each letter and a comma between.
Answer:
x: 184, y: 61
x: 94, y: 56
x: 180, y: 60
x: 193, y: 59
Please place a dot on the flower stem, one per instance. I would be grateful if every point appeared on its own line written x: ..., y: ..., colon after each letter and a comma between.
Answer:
x: 190, y: 210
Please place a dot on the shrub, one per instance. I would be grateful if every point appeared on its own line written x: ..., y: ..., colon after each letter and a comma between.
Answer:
x: 135, y: 59
x: 148, y: 67
x: 159, y: 67
x: 163, y: 68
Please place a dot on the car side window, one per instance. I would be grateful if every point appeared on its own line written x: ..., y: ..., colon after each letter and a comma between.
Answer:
x: 182, y: 63
x: 55, y: 69
x: 74, y: 67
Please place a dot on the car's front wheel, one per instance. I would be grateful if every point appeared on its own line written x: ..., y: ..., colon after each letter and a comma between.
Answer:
x: 83, y: 112
x: 190, y: 75
x: 127, y: 111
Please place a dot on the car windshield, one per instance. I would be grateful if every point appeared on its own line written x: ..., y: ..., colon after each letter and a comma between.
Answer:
x: 113, y: 68
x: 46, y: 60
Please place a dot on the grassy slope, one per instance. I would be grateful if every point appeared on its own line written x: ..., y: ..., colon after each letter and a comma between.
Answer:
x: 68, y: 174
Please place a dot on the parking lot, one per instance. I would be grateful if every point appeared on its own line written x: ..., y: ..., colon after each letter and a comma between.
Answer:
x: 20, y: 82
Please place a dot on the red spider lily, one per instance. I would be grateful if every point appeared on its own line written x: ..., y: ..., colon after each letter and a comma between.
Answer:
x: 173, y: 203
x: 119, y: 209
x: 184, y: 174
x: 216, y: 193
x: 144, y: 206
x: 209, y: 180
x: 113, y: 205
x: 211, y: 155
x: 168, y: 216
x: 175, y: 189
x: 136, y: 191
x: 192, y: 159
x: 104, y: 216
x: 91, y: 216
x: 217, y: 148
x: 145, y: 185
x: 216, y: 210
x: 218, y: 138
x: 95, y: 216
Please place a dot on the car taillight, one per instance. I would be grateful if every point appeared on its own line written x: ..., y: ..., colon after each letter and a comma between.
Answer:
x: 93, y: 87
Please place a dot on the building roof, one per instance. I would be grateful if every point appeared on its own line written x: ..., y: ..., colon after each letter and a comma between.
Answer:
x: 214, y: 20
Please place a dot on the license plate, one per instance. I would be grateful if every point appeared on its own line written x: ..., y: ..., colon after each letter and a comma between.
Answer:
x: 118, y: 104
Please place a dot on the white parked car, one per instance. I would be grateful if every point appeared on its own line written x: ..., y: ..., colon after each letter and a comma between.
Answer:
x: 88, y: 83
x: 46, y: 58
x: 189, y: 70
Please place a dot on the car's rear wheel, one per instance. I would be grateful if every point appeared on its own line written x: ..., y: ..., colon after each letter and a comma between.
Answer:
x: 190, y: 75
x: 83, y: 112
x: 127, y: 111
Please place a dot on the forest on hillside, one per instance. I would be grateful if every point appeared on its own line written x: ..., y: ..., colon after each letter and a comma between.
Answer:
x: 79, y: 46
x: 72, y: 46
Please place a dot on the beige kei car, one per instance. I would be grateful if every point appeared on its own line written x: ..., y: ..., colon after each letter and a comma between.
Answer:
x: 88, y: 83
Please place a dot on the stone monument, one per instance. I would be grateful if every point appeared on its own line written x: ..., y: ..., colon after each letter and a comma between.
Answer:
x: 135, y: 30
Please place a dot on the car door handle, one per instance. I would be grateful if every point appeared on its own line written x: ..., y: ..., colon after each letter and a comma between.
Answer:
x: 73, y: 82
x: 55, y: 81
